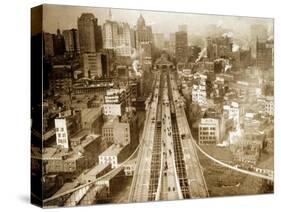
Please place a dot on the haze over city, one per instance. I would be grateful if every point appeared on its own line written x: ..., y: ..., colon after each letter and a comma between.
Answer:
x: 59, y: 16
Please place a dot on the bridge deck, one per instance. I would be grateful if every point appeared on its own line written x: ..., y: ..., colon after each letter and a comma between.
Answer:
x: 196, y: 180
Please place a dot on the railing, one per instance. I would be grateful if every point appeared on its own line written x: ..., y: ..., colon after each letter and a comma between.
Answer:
x: 65, y: 195
x: 254, y: 174
x: 142, y: 143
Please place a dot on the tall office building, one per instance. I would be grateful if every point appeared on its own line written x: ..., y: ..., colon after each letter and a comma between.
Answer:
x: 96, y: 64
x: 258, y: 32
x: 143, y: 32
x: 92, y: 64
x: 90, y: 36
x: 209, y: 131
x: 264, y: 57
x: 118, y: 36
x: 219, y: 47
x: 172, y: 42
x: 144, y: 40
x: 159, y: 40
x: 98, y: 38
x: 181, y: 46
x: 71, y: 41
x: 48, y: 44
x: 58, y: 41
x: 182, y: 28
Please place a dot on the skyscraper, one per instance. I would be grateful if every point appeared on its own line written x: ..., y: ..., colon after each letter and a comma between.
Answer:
x: 98, y: 38
x: 264, y: 57
x: 181, y: 47
x: 258, y: 32
x: 89, y: 33
x: 71, y: 41
x: 117, y: 36
x: 92, y: 65
x: 143, y: 32
x: 219, y: 47
x: 144, y: 40
x: 172, y: 42
x: 48, y: 45
x: 159, y: 40
x: 58, y: 40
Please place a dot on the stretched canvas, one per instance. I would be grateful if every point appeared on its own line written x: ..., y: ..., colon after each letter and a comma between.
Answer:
x: 132, y: 106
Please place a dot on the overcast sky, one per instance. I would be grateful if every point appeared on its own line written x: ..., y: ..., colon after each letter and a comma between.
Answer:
x: 65, y: 17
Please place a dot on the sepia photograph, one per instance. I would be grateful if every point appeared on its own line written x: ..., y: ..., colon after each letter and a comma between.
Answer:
x: 131, y: 105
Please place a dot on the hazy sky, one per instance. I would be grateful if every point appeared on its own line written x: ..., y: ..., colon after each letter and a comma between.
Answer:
x: 65, y: 17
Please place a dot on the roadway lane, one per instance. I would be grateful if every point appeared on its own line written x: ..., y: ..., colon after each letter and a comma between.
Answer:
x: 170, y: 187
x: 197, y: 185
x: 140, y: 185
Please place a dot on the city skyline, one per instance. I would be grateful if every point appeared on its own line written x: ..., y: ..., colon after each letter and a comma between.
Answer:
x: 65, y: 17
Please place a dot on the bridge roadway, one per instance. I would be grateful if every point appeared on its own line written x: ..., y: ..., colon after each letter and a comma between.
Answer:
x: 139, y: 191
x: 170, y: 187
x: 176, y: 173
x: 196, y: 181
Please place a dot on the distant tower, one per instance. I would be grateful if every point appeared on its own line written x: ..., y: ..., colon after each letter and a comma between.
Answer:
x: 109, y: 15
x: 258, y: 32
x: 59, y: 47
x: 141, y: 22
x: 144, y: 40
x: 181, y: 46
x: 58, y: 32
x: 90, y: 36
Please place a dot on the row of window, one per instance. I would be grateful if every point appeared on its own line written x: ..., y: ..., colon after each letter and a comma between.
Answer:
x: 107, y: 162
x: 107, y: 130
x: 207, y: 137
x: 63, y: 135
x: 61, y: 140
x: 107, y: 157
x: 207, y: 128
x: 207, y: 133
x: 207, y: 142
x: 108, y: 134
x: 59, y: 129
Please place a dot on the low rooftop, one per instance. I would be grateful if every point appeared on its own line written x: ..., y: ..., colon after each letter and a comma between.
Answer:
x: 113, y: 150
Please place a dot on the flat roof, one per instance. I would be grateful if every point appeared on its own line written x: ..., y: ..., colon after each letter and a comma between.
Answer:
x: 88, y: 114
x: 113, y: 150
x: 57, y: 153
x: 79, y: 134
x: 97, y: 169
x: 49, y: 152
x: 109, y: 123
